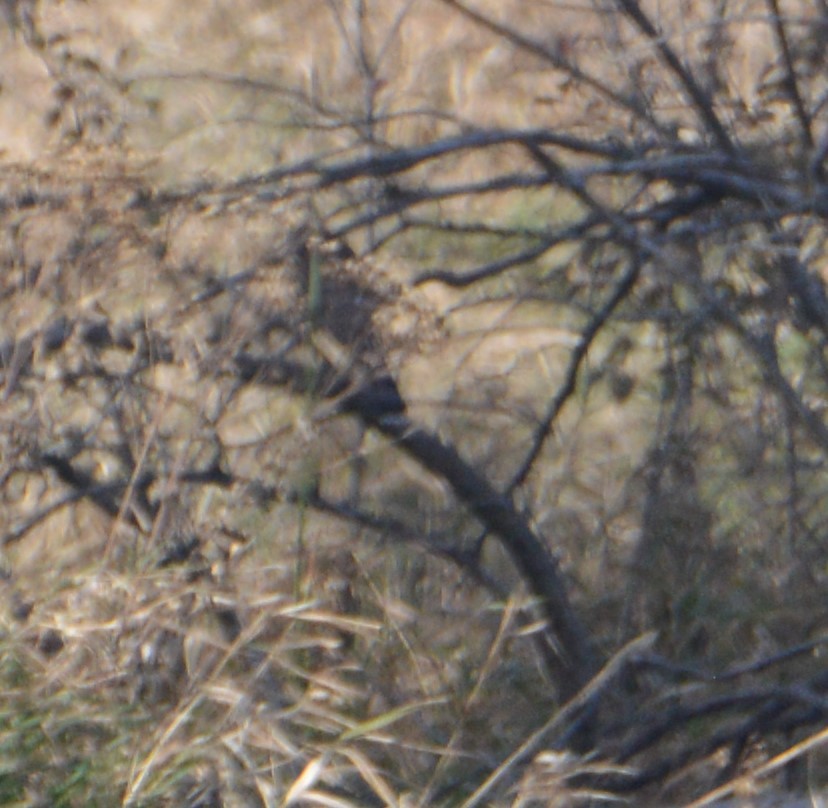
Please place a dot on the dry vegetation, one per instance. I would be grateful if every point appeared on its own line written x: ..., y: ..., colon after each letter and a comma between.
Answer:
x: 413, y: 402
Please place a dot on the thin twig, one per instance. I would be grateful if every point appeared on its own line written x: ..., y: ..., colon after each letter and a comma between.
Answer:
x: 543, y: 429
x: 790, y: 79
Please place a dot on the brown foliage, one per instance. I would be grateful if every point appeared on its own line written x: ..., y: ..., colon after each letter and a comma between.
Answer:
x: 375, y: 357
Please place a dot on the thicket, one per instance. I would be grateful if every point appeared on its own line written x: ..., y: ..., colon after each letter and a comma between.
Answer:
x: 416, y: 404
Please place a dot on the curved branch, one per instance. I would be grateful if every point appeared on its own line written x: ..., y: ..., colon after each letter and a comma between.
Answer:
x: 576, y: 658
x: 542, y: 431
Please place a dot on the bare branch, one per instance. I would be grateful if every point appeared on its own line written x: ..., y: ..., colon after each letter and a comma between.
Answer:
x: 555, y: 58
x: 790, y: 81
x: 701, y: 103
x: 576, y: 659
x: 623, y: 288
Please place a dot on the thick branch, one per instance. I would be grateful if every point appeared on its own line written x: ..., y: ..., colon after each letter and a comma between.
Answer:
x: 576, y: 659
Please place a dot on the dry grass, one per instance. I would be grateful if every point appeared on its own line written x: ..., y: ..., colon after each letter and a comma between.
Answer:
x: 125, y: 678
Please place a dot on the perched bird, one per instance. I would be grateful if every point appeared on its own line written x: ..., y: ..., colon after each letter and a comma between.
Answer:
x: 340, y: 309
x: 330, y: 350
